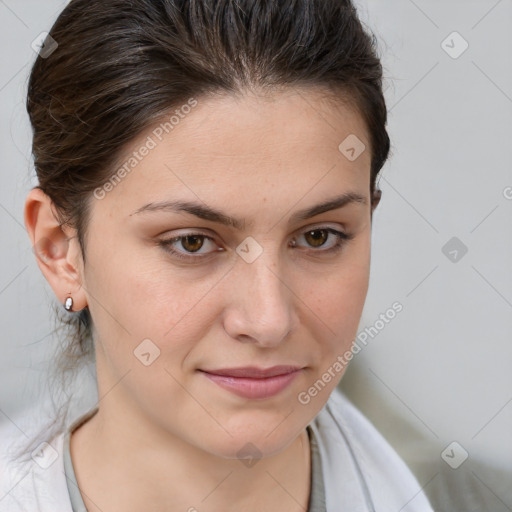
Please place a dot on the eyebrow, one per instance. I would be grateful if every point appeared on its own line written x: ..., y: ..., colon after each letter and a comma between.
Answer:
x: 208, y: 213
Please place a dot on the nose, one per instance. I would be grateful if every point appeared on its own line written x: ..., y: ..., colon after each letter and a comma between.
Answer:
x: 260, y: 304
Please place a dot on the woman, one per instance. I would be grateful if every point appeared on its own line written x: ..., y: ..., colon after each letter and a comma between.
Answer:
x: 207, y: 178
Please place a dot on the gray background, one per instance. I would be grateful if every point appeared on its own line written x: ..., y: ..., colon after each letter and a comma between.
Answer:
x: 440, y: 371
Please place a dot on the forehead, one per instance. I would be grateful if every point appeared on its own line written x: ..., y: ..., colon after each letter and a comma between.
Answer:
x: 229, y: 145
x: 254, y: 125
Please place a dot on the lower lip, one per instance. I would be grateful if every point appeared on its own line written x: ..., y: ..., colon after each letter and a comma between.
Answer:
x: 253, y: 388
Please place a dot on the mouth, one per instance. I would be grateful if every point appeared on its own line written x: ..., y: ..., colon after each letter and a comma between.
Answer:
x: 252, y: 382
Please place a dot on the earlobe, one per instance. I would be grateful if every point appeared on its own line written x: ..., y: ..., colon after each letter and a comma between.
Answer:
x: 53, y: 249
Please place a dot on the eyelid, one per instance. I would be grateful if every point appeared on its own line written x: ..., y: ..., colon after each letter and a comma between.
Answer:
x: 208, y: 233
x: 323, y: 225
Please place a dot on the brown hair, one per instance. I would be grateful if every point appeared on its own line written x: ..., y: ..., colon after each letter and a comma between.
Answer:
x: 121, y: 66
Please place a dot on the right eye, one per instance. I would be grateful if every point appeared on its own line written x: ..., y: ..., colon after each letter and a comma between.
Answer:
x: 190, y: 242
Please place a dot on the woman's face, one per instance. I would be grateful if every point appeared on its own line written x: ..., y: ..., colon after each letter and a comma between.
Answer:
x: 272, y: 290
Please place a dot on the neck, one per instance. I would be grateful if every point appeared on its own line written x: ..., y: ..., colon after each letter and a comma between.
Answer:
x: 129, y: 463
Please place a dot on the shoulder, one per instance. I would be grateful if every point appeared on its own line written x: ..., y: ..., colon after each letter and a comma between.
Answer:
x: 344, y: 430
x: 35, y: 479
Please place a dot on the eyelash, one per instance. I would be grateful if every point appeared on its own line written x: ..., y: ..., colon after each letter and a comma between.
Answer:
x: 341, y: 237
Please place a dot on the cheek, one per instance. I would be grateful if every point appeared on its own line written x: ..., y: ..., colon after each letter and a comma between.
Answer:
x: 142, y: 293
x: 142, y: 307
x: 337, y: 300
x: 342, y: 294
x: 169, y: 305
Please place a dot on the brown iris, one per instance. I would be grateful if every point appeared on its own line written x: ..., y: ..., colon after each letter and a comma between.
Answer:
x: 317, y: 241
x: 197, y: 242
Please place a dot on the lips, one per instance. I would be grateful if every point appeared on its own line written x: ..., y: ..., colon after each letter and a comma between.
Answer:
x: 252, y: 372
x: 253, y: 382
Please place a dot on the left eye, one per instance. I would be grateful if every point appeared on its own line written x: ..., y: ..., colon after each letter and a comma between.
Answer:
x: 317, y: 237
x: 193, y: 242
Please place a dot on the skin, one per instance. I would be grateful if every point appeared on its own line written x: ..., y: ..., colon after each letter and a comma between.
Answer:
x: 164, y: 433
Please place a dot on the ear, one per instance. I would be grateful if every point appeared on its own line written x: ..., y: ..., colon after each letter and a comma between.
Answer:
x: 377, y: 194
x: 56, y: 249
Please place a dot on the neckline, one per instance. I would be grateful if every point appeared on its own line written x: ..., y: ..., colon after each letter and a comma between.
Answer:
x: 317, y: 485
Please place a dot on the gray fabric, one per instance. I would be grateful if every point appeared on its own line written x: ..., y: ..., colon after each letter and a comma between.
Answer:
x: 75, y: 497
x: 317, y: 496
x: 316, y: 500
x: 74, y: 493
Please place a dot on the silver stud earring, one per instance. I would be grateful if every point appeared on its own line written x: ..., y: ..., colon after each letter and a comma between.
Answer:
x: 68, y: 305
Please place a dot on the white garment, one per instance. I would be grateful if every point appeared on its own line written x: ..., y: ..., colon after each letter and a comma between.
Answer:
x: 362, y: 472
